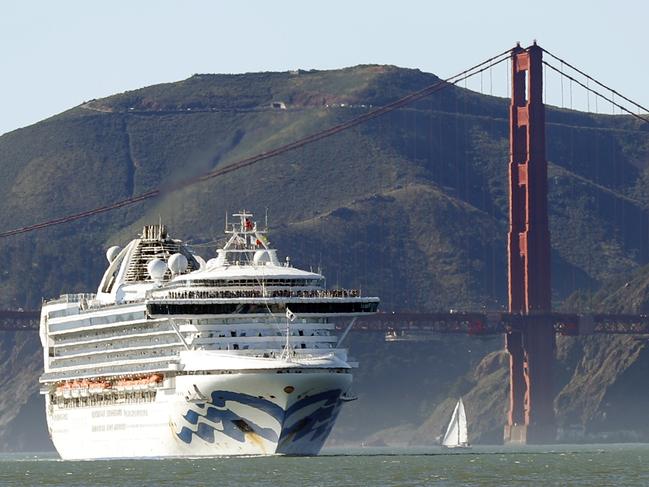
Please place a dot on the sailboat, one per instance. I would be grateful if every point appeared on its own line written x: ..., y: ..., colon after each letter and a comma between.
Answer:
x: 456, y: 433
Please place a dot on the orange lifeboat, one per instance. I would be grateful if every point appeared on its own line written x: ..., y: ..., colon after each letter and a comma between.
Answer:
x: 154, y: 380
x: 97, y: 387
x: 63, y: 390
x: 139, y: 383
x: 81, y: 388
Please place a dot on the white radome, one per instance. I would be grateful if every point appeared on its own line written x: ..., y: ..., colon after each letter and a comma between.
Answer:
x: 156, y: 269
x: 177, y: 264
x: 113, y: 252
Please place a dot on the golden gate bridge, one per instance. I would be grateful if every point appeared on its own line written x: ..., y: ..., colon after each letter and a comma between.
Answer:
x: 529, y: 325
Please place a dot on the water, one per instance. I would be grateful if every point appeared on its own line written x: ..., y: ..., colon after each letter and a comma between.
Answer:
x: 583, y: 465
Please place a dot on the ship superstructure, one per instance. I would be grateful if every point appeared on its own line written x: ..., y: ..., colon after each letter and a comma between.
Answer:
x: 175, y: 356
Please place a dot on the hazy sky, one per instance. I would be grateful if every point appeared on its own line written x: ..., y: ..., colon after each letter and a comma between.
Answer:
x: 56, y: 54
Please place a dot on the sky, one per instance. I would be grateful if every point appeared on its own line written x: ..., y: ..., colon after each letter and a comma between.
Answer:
x: 56, y: 54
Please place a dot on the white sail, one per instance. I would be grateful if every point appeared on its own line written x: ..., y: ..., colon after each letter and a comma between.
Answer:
x: 456, y: 432
x: 464, y: 437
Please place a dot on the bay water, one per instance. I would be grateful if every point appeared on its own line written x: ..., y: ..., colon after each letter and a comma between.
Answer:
x: 556, y: 465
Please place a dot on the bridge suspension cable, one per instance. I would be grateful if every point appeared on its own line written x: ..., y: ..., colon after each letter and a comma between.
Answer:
x: 587, y: 87
x: 249, y: 161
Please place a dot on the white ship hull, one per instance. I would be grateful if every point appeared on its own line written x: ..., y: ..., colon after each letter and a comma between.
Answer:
x: 258, y: 413
x: 178, y: 357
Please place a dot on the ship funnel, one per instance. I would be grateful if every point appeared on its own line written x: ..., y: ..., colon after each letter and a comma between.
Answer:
x: 154, y: 232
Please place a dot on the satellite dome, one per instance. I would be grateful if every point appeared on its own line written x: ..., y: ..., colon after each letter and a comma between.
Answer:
x: 156, y: 269
x: 177, y: 264
x: 113, y: 252
x: 261, y: 257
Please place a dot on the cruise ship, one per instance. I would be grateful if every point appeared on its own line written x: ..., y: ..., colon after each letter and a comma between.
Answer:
x: 175, y: 356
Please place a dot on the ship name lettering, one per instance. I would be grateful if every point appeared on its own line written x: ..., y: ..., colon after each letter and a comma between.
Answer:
x: 136, y: 412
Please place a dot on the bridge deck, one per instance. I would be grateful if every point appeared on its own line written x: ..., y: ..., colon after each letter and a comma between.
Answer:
x: 471, y: 323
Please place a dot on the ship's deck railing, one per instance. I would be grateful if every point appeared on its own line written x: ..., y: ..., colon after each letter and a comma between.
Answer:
x: 170, y: 363
x: 105, y: 346
x: 295, y: 353
x: 113, y: 358
x: 89, y: 301
x: 106, y: 334
x: 101, y: 370
x: 248, y: 282
x: 285, y: 293
x: 72, y: 298
x: 156, y: 328
x: 104, y: 398
x: 212, y: 341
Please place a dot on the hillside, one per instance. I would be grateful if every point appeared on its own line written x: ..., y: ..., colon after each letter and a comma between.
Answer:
x: 411, y: 206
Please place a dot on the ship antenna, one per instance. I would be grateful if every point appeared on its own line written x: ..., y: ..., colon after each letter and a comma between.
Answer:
x: 266, y: 222
x: 226, y: 220
x: 288, y: 340
x: 290, y: 316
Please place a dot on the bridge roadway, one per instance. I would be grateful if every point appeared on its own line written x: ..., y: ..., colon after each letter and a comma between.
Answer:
x: 471, y: 323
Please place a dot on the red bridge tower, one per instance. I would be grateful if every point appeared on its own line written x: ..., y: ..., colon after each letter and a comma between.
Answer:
x: 531, y: 347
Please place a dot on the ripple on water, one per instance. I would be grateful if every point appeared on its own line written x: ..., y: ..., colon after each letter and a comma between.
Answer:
x: 355, y: 467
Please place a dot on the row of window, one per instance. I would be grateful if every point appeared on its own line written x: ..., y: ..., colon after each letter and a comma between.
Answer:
x: 117, y: 356
x: 261, y: 308
x: 251, y: 282
x: 98, y: 320
x: 169, y: 340
x: 237, y: 346
x: 169, y: 351
x: 109, y: 333
x: 108, y: 399
x: 79, y: 340
x: 131, y: 343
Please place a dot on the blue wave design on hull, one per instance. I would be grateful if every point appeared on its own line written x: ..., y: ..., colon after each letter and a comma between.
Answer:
x: 308, y: 435
x: 304, y: 435
x: 205, y: 431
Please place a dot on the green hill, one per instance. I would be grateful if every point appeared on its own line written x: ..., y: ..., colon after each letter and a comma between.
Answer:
x: 411, y: 206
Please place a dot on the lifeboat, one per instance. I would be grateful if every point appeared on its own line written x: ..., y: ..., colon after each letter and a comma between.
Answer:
x: 63, y: 390
x: 154, y: 380
x: 75, y: 389
x: 139, y: 383
x: 97, y: 387
x: 81, y: 388
x: 78, y: 388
